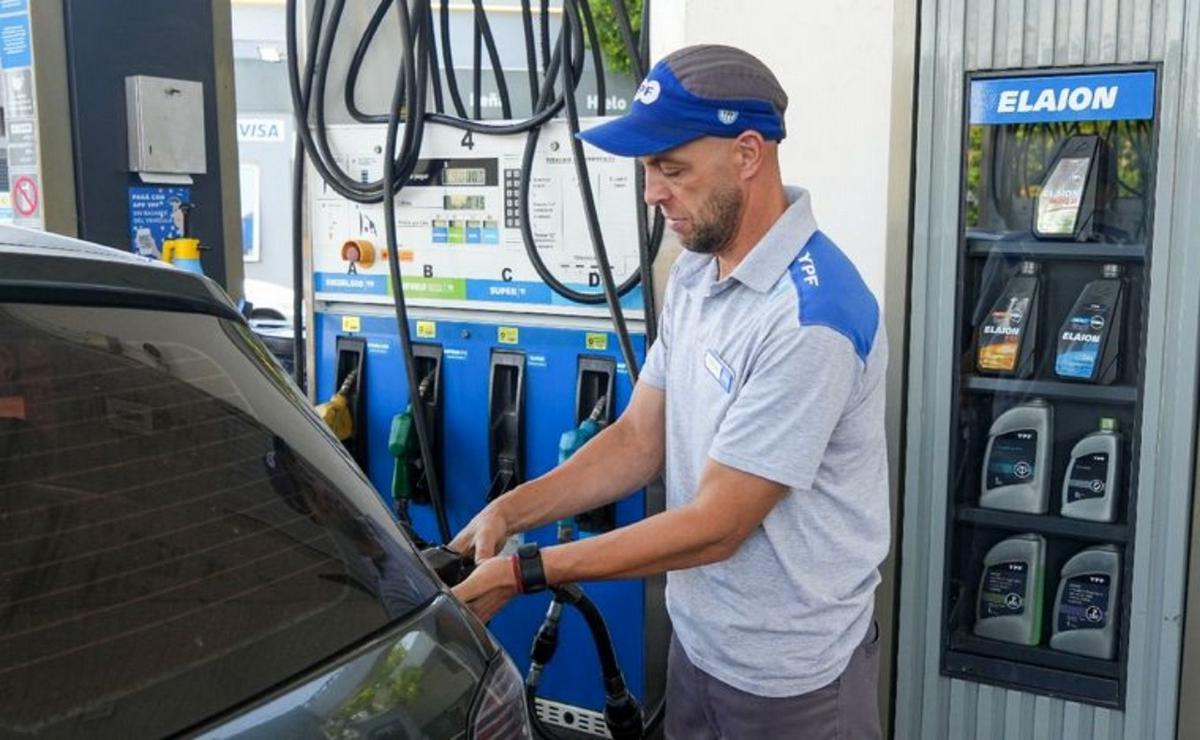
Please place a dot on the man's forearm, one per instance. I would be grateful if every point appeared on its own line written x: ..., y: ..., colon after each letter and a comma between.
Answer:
x: 607, y: 468
x: 673, y: 540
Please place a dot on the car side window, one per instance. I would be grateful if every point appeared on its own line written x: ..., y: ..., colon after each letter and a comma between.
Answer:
x: 175, y: 536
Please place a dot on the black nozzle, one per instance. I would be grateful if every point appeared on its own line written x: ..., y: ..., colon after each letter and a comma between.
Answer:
x: 449, y: 566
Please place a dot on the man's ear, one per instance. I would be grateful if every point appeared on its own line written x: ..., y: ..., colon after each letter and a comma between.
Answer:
x: 749, y: 153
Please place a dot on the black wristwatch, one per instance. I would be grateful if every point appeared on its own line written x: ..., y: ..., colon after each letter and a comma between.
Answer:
x: 529, y: 562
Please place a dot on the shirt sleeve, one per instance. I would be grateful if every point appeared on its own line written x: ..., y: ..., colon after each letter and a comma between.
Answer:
x: 799, y: 385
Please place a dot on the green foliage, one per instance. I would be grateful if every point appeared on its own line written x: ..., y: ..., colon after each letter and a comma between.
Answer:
x: 616, y: 57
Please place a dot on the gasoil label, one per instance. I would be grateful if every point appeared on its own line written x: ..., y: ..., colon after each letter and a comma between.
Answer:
x: 1085, y: 603
x: 1003, y: 592
x: 1079, y: 342
x: 1088, y: 478
x: 1000, y: 338
x: 1013, y: 459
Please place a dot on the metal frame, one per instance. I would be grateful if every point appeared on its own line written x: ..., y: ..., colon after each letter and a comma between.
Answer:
x: 959, y: 35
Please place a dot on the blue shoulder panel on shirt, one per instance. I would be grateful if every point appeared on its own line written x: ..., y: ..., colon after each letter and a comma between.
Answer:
x: 832, y: 294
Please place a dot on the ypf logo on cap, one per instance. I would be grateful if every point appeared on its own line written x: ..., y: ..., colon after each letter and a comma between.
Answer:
x: 726, y: 116
x: 648, y: 91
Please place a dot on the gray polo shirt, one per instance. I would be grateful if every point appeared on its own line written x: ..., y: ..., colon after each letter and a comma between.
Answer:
x: 778, y: 370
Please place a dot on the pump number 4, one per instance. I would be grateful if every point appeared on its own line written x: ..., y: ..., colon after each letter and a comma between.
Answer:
x: 468, y: 140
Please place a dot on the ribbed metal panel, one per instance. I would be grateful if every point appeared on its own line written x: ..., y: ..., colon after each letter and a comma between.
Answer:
x: 1009, y: 34
x: 958, y: 36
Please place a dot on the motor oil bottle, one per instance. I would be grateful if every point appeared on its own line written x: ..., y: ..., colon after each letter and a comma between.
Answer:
x: 1093, y: 477
x: 1016, y: 464
x: 1084, y: 621
x: 1089, y: 343
x: 1008, y: 334
x: 1009, y: 607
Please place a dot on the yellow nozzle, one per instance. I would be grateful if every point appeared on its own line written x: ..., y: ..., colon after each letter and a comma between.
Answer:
x: 336, y: 411
x: 183, y: 248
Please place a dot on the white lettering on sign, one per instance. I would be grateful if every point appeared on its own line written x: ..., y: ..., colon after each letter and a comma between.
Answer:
x: 1103, y: 97
x: 261, y: 129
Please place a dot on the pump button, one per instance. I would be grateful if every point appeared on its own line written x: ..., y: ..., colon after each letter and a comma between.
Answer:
x: 358, y: 252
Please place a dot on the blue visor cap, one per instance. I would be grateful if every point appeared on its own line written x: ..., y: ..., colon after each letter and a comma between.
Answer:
x: 666, y: 115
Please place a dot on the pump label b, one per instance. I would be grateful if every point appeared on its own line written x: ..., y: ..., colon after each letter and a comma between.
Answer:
x: 1084, y: 603
x: 1012, y: 460
x: 1088, y: 478
x: 1003, y: 593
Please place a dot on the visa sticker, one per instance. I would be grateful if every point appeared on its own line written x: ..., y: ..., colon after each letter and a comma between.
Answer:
x: 719, y: 370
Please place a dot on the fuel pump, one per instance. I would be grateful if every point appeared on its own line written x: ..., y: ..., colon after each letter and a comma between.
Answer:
x: 465, y: 231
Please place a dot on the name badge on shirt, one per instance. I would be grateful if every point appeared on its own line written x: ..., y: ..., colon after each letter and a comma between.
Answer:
x: 719, y: 370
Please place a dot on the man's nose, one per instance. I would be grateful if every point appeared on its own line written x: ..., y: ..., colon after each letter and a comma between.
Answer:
x: 656, y: 190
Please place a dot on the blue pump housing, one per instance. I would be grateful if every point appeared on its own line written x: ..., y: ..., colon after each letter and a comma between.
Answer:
x: 551, y: 361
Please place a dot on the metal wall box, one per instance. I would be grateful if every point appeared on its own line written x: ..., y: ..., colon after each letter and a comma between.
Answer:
x: 166, y: 125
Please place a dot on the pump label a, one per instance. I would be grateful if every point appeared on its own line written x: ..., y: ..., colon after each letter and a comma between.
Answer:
x: 1003, y: 593
x: 1085, y: 603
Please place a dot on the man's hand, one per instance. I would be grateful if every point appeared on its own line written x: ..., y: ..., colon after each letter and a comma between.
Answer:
x: 483, y: 536
x: 489, y: 588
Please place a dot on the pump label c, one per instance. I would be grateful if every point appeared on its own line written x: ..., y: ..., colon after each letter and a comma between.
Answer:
x: 1003, y: 592
x: 1013, y: 459
x: 1084, y: 604
x: 1088, y: 477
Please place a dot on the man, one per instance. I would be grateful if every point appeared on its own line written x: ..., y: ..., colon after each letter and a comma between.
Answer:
x: 762, y: 401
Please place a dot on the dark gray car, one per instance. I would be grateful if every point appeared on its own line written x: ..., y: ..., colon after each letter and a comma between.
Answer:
x: 184, y: 548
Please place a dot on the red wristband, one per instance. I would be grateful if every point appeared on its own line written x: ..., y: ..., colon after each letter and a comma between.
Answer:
x: 516, y: 568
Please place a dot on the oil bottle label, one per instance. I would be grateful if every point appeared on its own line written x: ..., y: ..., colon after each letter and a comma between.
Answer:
x: 1000, y: 340
x: 1088, y: 478
x: 1079, y: 342
x: 1084, y: 603
x: 1013, y: 459
x: 1004, y: 590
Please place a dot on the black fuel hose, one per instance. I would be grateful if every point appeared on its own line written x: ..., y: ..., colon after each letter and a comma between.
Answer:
x: 411, y: 93
x: 611, y: 296
x: 356, y: 62
x: 448, y: 60
x: 530, y: 53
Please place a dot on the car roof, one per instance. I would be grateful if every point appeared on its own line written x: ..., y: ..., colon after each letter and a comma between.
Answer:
x: 37, y: 267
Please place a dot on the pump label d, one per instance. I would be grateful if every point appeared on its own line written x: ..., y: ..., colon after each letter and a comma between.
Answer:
x: 1084, y: 604
x: 1088, y: 478
x: 1000, y: 337
x: 1013, y: 459
x: 1003, y: 593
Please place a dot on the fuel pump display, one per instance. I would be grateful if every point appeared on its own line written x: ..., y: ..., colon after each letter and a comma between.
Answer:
x: 1058, y: 179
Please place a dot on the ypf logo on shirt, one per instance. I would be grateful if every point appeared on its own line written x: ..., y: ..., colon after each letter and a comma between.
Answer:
x: 648, y: 91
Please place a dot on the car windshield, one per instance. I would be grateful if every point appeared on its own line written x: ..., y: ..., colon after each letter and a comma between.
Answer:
x: 178, y: 534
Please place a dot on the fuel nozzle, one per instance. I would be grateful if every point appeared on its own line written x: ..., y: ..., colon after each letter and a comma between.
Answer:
x: 568, y: 444
x: 449, y: 566
x: 405, y: 448
x: 336, y: 411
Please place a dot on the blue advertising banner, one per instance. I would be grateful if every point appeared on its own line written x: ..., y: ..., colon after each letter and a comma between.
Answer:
x: 155, y: 215
x: 1115, y: 96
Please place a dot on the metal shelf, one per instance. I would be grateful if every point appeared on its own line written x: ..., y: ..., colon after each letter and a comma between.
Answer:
x: 1067, y: 676
x: 1053, y: 389
x: 1048, y: 524
x: 979, y: 245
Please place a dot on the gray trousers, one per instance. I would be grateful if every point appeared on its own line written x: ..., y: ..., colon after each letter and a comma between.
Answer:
x: 700, y: 707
